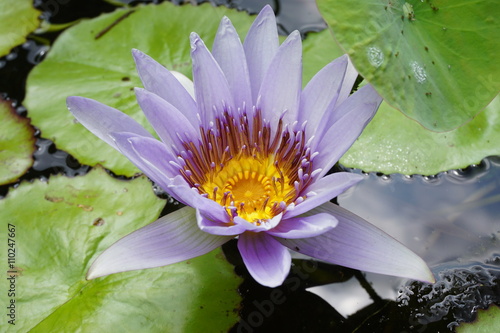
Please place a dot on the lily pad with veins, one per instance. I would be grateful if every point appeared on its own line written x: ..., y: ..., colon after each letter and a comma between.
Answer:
x: 16, y: 21
x: 393, y: 143
x: 66, y: 224
x: 17, y: 144
x: 93, y: 59
x: 433, y: 60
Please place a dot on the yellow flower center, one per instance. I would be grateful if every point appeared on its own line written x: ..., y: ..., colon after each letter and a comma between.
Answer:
x: 252, y: 171
x: 255, y: 187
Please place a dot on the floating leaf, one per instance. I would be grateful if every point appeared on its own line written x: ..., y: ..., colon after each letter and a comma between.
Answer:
x: 17, y: 144
x: 487, y: 321
x: 61, y: 226
x: 16, y: 21
x: 119, y: 2
x: 319, y: 49
x: 392, y: 143
x: 93, y: 59
x: 436, y: 61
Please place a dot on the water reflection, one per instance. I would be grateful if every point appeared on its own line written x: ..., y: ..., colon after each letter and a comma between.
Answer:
x: 451, y: 220
x: 451, y: 216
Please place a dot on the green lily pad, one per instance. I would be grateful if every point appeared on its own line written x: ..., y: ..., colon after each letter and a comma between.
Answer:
x: 57, y: 229
x: 487, y: 321
x: 119, y: 2
x: 318, y: 50
x: 16, y: 21
x: 93, y: 59
x: 392, y: 143
x: 17, y: 144
x: 436, y: 61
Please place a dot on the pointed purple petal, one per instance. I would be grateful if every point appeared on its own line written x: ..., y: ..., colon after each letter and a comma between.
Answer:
x: 163, y: 83
x: 323, y: 190
x: 304, y: 226
x: 348, y: 82
x: 357, y: 244
x: 282, y: 83
x: 265, y: 258
x: 361, y: 107
x: 150, y: 155
x: 171, y: 239
x: 320, y: 95
x: 191, y: 197
x: 228, y: 52
x: 101, y: 119
x: 185, y: 81
x: 210, y: 85
x: 261, y: 44
x: 153, y: 158
x: 218, y: 228
x: 166, y: 119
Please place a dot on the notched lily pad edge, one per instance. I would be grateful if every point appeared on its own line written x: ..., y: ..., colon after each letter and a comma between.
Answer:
x: 25, y: 122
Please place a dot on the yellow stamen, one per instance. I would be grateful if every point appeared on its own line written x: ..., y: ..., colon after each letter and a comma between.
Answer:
x: 253, y: 171
x: 254, y: 186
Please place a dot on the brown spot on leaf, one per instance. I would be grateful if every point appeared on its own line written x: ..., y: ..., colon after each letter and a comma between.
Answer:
x: 85, y: 207
x: 53, y: 199
x: 98, y: 222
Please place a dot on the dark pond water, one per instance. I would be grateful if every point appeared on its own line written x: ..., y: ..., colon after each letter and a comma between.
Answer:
x: 451, y: 220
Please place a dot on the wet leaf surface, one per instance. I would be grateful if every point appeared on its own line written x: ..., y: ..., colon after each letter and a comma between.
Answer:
x: 16, y: 22
x: 63, y: 224
x: 433, y: 60
x: 487, y: 321
x: 392, y: 143
x: 318, y: 50
x: 389, y: 144
x: 100, y: 66
x: 298, y: 309
x: 17, y: 143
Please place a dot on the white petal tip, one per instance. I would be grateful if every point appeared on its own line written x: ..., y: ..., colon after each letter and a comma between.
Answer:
x: 139, y: 56
x: 427, y: 276
x: 194, y: 38
x: 96, y: 271
x: 266, y: 9
x: 91, y: 276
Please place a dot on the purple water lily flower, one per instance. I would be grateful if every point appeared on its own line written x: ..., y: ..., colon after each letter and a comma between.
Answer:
x: 248, y: 154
